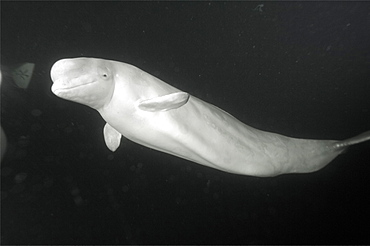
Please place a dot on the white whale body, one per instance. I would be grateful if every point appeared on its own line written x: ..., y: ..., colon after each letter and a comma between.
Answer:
x: 152, y: 113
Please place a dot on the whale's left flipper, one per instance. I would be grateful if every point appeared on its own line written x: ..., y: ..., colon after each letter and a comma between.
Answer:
x: 164, y: 103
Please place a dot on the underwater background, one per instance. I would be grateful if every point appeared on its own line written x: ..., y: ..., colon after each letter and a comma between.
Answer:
x: 295, y: 68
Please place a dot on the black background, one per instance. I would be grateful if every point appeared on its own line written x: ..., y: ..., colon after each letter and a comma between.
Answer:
x: 294, y: 68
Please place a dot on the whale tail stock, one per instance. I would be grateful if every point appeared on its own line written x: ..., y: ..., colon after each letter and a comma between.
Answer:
x: 319, y: 153
x: 365, y: 136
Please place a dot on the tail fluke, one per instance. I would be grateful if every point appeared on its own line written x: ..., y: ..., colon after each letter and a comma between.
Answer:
x: 365, y: 136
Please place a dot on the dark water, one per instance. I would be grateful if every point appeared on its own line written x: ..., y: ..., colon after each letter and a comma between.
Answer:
x: 300, y: 69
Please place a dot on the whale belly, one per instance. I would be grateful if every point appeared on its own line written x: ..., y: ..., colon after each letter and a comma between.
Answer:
x: 223, y: 142
x: 205, y: 134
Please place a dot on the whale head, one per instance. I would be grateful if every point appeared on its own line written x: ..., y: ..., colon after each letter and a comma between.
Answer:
x: 88, y: 81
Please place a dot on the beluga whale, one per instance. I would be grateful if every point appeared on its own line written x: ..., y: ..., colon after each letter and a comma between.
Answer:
x: 150, y: 112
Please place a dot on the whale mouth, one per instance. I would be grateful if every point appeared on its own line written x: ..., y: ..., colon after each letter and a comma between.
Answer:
x: 56, y: 89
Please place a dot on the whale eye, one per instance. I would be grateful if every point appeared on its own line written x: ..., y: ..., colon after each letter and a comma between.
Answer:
x: 104, y: 72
